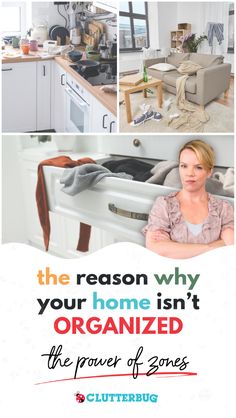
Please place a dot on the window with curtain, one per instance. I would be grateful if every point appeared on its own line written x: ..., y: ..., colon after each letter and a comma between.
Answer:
x: 133, y: 30
x: 231, y: 30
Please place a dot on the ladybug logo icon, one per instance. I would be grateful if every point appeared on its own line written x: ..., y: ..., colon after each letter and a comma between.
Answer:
x: 80, y: 398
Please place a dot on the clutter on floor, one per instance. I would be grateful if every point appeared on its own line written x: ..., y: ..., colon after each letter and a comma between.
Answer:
x: 147, y: 114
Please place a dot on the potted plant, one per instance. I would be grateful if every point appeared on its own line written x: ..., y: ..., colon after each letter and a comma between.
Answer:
x: 190, y: 43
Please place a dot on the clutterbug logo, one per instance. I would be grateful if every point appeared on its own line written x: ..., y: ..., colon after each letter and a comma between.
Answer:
x: 80, y: 398
x: 116, y: 397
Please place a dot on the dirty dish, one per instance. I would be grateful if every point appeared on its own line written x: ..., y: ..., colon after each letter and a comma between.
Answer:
x: 93, y: 55
x: 59, y: 32
x: 75, y: 55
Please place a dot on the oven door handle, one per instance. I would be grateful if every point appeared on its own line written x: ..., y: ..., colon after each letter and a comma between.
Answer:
x: 76, y: 98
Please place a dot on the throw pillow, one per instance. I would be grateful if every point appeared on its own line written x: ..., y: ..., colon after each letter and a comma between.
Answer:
x: 189, y: 67
x: 163, y: 66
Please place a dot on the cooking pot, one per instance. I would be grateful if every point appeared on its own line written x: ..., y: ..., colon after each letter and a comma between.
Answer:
x: 75, y: 55
x: 88, y: 68
x: 88, y: 64
x: 93, y: 55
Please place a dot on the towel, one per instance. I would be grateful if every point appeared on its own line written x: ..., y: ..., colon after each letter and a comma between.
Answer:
x: 42, y: 203
x: 217, y: 30
x: 160, y: 171
x: 80, y: 178
x: 192, y: 117
x: 136, y: 168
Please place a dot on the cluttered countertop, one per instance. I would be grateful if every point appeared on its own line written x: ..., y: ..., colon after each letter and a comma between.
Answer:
x: 108, y: 99
x: 88, y: 31
x: 11, y: 55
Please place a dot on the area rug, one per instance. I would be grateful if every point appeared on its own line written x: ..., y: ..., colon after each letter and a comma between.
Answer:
x: 221, y: 117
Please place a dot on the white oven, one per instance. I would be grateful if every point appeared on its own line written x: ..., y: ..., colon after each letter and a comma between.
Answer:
x: 78, y: 107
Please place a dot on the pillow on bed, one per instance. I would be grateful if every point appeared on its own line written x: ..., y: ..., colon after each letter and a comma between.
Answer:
x: 189, y: 67
x: 163, y: 66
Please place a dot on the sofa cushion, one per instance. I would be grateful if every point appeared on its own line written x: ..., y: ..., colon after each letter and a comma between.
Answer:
x: 156, y: 74
x: 189, y: 67
x: 176, y: 59
x: 163, y: 66
x: 190, y: 85
x: 206, y: 60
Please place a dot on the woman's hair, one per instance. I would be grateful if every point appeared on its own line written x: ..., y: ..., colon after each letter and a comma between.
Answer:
x: 203, y: 151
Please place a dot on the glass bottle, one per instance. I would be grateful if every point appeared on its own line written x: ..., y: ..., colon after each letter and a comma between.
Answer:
x: 145, y: 75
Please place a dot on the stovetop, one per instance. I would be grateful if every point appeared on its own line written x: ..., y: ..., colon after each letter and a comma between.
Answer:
x: 105, y: 74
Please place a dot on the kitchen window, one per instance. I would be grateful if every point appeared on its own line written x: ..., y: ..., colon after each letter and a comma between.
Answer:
x: 134, y: 34
x: 231, y: 30
x: 13, y: 18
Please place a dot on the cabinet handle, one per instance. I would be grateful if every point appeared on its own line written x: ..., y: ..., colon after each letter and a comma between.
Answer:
x: 62, y: 80
x: 7, y: 69
x: 113, y: 122
x: 127, y: 213
x: 103, y: 121
x: 44, y: 70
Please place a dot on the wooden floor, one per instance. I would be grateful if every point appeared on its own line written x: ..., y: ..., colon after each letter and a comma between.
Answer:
x: 229, y: 100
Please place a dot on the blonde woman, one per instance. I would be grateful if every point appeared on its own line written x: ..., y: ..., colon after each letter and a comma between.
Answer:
x: 190, y: 222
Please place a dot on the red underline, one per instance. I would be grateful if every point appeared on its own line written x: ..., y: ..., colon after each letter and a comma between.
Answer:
x: 157, y: 374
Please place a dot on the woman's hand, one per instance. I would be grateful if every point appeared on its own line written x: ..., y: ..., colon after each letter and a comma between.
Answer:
x: 227, y: 235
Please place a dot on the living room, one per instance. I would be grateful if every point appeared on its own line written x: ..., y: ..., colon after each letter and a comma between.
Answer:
x: 199, y: 34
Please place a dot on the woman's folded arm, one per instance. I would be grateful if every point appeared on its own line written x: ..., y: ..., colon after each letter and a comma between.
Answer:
x: 159, y: 242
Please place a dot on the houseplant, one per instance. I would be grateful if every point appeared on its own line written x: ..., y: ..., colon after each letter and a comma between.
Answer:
x: 190, y: 43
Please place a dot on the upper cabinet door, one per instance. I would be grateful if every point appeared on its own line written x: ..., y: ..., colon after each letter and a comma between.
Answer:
x: 43, y: 95
x: 19, y: 97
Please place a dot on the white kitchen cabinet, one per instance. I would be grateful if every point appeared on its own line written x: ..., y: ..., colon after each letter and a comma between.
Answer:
x: 19, y: 97
x: 102, y: 120
x: 58, y: 108
x: 43, y: 95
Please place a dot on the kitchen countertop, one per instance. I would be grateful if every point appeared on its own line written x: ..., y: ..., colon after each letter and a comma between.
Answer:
x: 32, y: 56
x: 109, y: 100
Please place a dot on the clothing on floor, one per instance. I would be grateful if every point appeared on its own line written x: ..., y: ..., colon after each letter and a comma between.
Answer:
x: 77, y: 179
x: 136, y: 168
x: 42, y: 202
x: 217, y: 30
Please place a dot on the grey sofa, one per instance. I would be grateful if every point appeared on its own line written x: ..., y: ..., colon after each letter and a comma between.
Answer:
x: 207, y: 84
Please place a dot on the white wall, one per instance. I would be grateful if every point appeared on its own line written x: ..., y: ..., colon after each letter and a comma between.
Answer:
x: 47, y: 11
x: 198, y: 14
x: 191, y: 13
x: 167, y: 21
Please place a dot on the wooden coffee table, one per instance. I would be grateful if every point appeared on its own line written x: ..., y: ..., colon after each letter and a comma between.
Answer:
x: 153, y: 83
